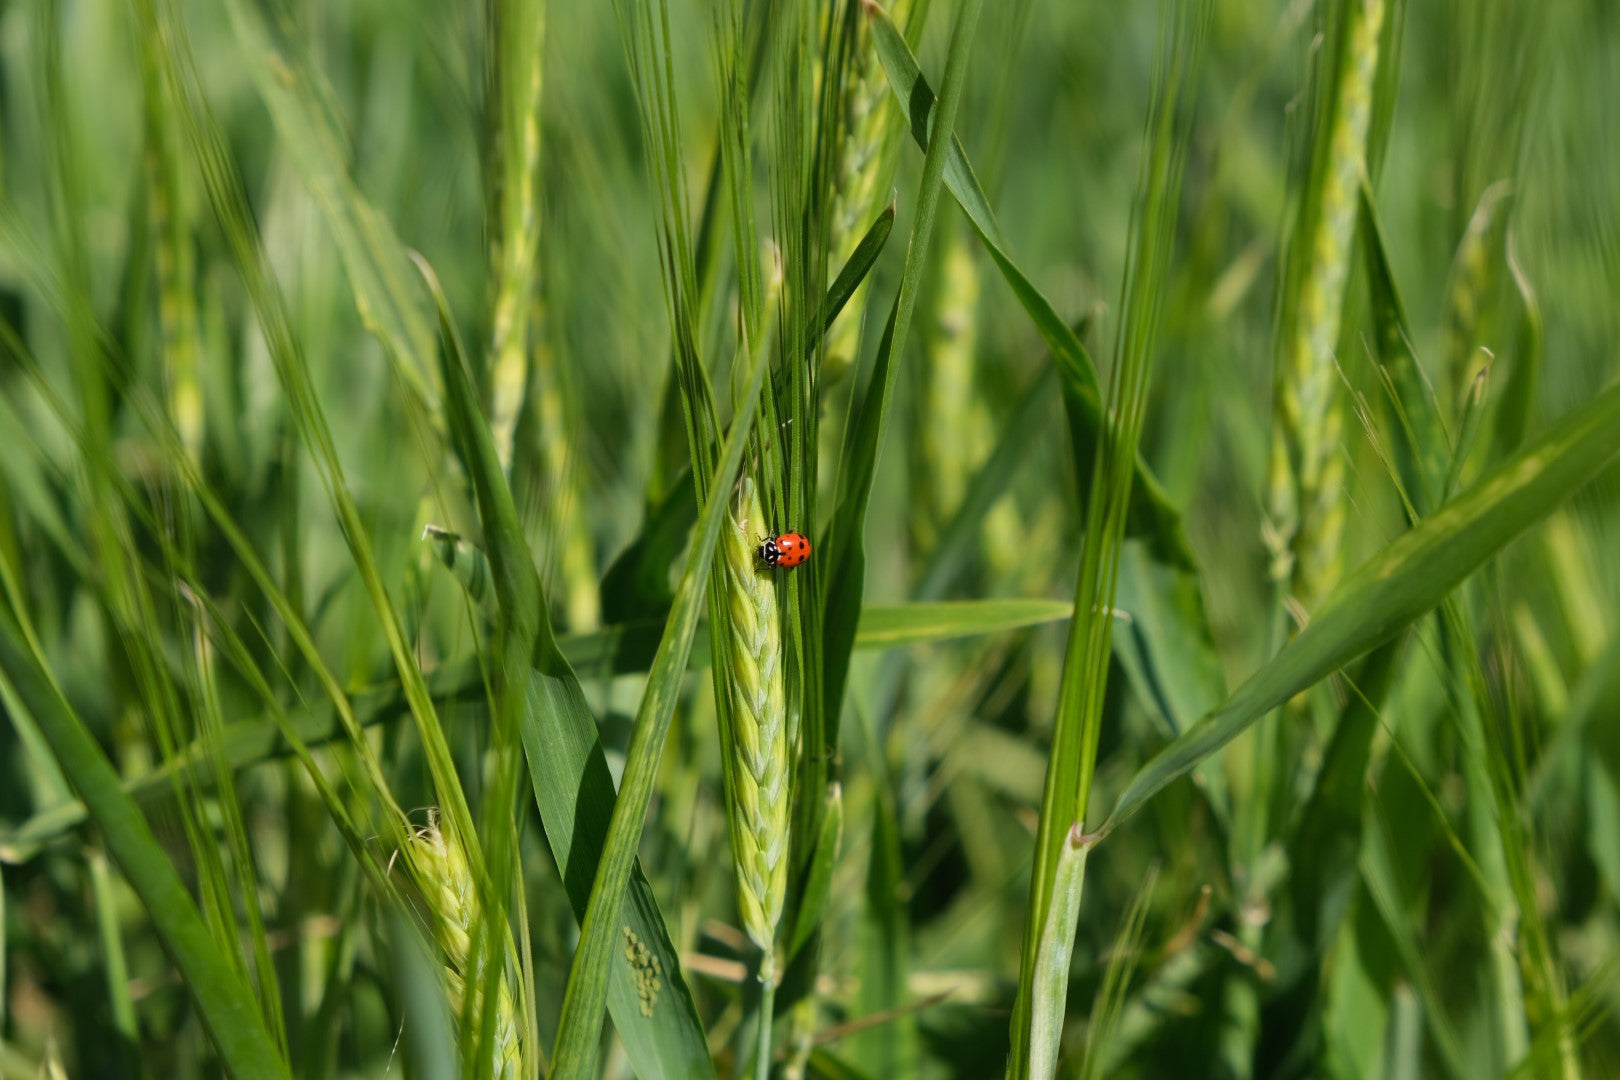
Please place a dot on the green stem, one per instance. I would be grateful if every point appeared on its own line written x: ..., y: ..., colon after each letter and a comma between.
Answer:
x: 767, y: 1007
x: 1050, y: 986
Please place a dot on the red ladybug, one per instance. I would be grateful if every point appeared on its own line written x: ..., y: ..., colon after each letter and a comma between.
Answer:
x: 788, y: 550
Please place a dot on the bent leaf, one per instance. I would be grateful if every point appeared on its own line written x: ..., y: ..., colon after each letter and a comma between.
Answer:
x: 1406, y: 580
x: 1151, y: 514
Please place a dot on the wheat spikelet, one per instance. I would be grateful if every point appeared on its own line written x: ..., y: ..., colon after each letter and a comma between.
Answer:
x: 758, y: 692
x: 174, y: 261
x: 866, y: 155
x: 957, y: 436
x: 517, y: 242
x: 452, y: 901
x: 1308, y: 508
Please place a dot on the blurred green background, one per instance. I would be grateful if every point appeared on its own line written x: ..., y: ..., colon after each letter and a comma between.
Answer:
x: 363, y: 129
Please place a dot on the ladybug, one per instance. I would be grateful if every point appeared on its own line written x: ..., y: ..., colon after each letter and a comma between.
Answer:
x: 788, y: 550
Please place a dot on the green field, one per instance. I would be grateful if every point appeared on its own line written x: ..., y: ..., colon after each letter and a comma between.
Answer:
x: 1207, y: 662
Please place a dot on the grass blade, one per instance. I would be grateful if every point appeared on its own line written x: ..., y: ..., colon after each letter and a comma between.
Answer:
x: 854, y: 272
x: 223, y: 999
x: 1421, y: 445
x: 914, y: 624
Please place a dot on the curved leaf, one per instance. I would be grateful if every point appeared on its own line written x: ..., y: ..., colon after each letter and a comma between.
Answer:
x: 1407, y: 579
x: 910, y: 624
x: 1151, y: 514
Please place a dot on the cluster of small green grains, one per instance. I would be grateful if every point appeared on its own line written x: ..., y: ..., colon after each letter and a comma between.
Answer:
x: 865, y: 162
x: 957, y: 435
x: 516, y: 243
x: 1308, y: 508
x: 759, y: 814
x: 564, y: 505
x: 447, y: 887
x: 175, y: 263
x: 648, y: 969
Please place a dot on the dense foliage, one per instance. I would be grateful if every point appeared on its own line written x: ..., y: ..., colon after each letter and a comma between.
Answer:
x: 1206, y: 663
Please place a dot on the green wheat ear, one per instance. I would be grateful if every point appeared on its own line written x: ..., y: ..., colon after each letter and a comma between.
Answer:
x: 452, y: 901
x: 759, y: 810
x: 1307, y: 467
x: 958, y: 435
x: 865, y: 164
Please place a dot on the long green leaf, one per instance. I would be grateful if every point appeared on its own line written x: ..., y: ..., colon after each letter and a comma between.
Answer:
x: 912, y: 624
x: 1406, y: 580
x: 1421, y: 447
x: 855, y: 269
x: 223, y: 998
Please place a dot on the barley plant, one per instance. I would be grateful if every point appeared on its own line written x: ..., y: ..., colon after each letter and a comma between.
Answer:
x: 1201, y: 416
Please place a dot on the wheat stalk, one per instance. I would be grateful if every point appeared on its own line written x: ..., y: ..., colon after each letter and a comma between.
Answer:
x: 174, y: 259
x: 522, y: 368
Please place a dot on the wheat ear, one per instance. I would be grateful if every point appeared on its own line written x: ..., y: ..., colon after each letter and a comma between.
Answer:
x: 452, y: 901
x: 758, y: 692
